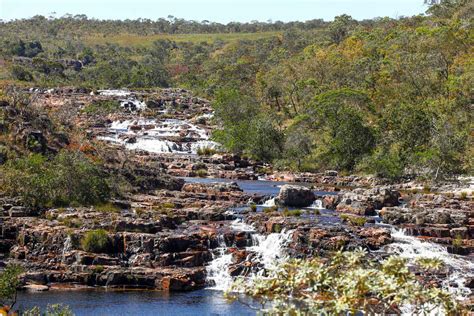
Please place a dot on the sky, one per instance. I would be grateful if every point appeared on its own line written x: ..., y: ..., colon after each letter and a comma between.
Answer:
x: 223, y: 11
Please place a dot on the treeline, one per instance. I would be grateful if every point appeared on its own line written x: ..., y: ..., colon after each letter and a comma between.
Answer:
x: 385, y: 96
x: 80, y: 25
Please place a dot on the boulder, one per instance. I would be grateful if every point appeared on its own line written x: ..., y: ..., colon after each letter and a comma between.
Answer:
x: 296, y: 196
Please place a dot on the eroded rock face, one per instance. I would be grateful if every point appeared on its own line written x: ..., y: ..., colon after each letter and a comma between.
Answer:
x: 366, y: 202
x: 294, y: 195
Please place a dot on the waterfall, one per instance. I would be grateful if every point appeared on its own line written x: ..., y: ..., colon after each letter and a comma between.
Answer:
x: 269, y: 203
x: 269, y: 251
x: 317, y: 205
x: 218, y: 270
x: 461, y: 269
x: 66, y: 247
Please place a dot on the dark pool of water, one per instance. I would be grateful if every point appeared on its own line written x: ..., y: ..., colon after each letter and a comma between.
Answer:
x: 261, y: 187
x: 117, y: 303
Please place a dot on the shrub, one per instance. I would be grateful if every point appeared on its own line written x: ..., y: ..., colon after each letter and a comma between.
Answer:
x: 68, y: 178
x: 102, y: 107
x: 202, y: 173
x: 96, y: 241
x: 51, y: 310
x: 347, y: 283
x: 206, y: 151
x: 353, y: 220
x: 292, y: 213
x: 107, y: 208
x: 9, y: 282
x: 253, y: 207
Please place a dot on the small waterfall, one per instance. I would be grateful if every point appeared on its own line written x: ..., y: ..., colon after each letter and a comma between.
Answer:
x: 411, y: 248
x: 269, y: 203
x: 269, y: 251
x: 317, y: 205
x: 66, y: 247
x: 218, y: 269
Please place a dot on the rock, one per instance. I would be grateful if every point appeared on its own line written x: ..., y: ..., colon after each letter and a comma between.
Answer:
x: 20, y: 211
x: 296, y: 196
x: 36, y: 288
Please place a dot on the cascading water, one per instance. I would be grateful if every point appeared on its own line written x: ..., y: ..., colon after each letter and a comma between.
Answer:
x: 317, y: 205
x: 66, y: 247
x: 269, y: 203
x: 411, y: 248
x: 269, y: 251
x: 159, y: 136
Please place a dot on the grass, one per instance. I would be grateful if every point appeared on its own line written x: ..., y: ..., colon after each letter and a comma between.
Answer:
x: 353, y: 220
x: 107, y: 208
x: 201, y: 173
x: 206, y: 151
x: 292, y: 213
x: 125, y: 39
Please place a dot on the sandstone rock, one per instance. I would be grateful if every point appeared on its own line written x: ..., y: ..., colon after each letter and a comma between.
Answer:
x: 36, y: 288
x: 296, y: 196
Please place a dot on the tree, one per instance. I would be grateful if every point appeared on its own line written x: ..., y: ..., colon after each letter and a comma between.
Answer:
x: 9, y: 282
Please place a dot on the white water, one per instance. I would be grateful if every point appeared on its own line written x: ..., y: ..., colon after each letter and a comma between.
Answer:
x: 269, y: 203
x: 317, y: 205
x: 156, y: 136
x: 118, y: 93
x: 66, y: 247
x: 411, y: 248
x: 269, y: 252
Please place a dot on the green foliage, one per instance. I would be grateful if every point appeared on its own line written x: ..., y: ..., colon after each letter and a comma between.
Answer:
x: 9, y: 282
x: 96, y: 241
x: 206, y: 151
x: 349, y: 282
x: 51, y: 310
x: 21, y: 73
x: 292, y: 213
x: 202, y: 173
x: 68, y: 178
x: 107, y: 208
x: 243, y: 129
x: 101, y: 107
x: 353, y: 220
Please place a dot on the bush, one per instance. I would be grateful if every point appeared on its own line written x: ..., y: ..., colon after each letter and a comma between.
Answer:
x: 107, y: 208
x: 102, y: 107
x: 206, y: 151
x: 347, y: 283
x: 353, y: 220
x: 96, y: 241
x: 51, y: 310
x: 292, y: 213
x: 202, y: 173
x: 68, y: 178
x: 9, y: 282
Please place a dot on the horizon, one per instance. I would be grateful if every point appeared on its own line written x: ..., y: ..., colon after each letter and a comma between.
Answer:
x: 223, y: 11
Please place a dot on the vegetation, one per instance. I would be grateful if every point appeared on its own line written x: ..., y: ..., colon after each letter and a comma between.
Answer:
x: 9, y: 282
x: 385, y: 96
x: 97, y: 241
x: 69, y: 178
x: 206, y: 151
x: 101, y: 107
x: 353, y: 220
x: 292, y: 213
x: 347, y: 283
x: 51, y: 310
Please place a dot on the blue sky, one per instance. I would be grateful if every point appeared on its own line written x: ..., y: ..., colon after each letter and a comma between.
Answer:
x: 213, y: 10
